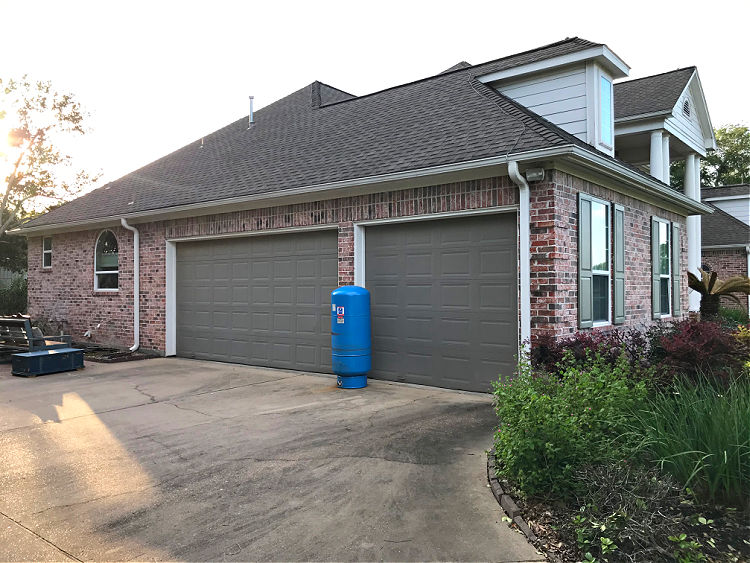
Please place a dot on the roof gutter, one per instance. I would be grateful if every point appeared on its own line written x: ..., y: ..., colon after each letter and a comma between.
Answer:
x: 587, y: 158
x: 524, y: 253
x: 136, y: 285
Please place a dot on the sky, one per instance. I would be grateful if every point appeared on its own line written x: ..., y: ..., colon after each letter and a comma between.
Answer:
x: 157, y: 75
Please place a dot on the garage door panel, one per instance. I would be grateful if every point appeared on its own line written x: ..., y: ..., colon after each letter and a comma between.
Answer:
x: 443, y: 300
x: 258, y: 300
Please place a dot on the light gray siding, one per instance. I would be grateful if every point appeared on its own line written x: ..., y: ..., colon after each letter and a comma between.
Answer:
x: 687, y: 127
x: 559, y: 96
x: 739, y: 208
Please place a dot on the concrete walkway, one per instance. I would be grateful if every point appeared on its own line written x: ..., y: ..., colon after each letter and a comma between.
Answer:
x: 176, y: 459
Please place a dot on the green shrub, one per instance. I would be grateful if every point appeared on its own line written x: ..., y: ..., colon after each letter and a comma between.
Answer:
x: 552, y: 424
x: 13, y: 297
x: 700, y: 433
x: 731, y: 318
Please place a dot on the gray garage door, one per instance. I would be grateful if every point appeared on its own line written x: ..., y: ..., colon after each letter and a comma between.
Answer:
x: 444, y: 300
x: 262, y: 300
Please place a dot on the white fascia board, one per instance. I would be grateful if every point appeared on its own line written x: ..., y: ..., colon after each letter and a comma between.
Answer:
x: 724, y: 246
x: 669, y: 128
x: 646, y: 185
x: 641, y: 116
x: 602, y: 54
x: 645, y: 126
x: 446, y: 173
x: 726, y: 197
x: 388, y: 182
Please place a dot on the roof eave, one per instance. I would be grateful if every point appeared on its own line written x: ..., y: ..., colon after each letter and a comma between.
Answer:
x: 601, y: 53
x: 588, y: 158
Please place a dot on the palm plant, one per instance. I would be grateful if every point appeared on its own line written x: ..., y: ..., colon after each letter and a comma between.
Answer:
x: 712, y: 290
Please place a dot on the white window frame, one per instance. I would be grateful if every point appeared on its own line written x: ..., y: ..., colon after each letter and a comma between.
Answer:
x: 594, y: 75
x: 609, y: 144
x: 46, y: 252
x: 114, y: 272
x: 668, y: 276
x: 602, y: 273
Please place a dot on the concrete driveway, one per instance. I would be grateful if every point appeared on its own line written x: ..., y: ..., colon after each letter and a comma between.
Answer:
x: 177, y: 459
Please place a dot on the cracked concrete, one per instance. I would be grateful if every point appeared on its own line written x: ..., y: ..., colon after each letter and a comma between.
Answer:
x: 176, y: 459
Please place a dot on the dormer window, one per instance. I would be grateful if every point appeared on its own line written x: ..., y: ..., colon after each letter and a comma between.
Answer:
x: 605, y: 112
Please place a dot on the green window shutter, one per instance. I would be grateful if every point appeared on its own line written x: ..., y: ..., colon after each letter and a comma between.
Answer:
x: 585, y: 279
x: 619, y: 262
x: 676, y: 271
x: 655, y: 293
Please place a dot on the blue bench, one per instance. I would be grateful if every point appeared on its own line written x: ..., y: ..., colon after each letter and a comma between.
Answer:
x: 33, y: 353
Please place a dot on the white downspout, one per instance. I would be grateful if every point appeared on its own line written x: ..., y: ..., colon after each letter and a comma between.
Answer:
x: 524, y: 251
x: 136, y: 285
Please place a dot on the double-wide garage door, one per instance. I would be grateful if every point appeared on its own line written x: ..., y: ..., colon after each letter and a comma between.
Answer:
x: 443, y: 300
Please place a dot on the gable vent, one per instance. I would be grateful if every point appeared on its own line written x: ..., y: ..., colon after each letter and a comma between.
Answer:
x: 686, y: 108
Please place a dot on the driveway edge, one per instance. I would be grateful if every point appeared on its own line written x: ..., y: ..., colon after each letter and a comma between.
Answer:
x: 506, y: 502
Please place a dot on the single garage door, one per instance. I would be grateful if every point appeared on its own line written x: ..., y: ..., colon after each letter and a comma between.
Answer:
x: 444, y: 300
x: 261, y: 300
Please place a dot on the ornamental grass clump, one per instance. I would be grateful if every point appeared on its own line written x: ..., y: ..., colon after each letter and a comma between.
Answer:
x: 551, y: 424
x: 700, y: 434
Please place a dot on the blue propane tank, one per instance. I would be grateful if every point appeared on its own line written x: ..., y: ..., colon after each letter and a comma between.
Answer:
x: 350, y: 336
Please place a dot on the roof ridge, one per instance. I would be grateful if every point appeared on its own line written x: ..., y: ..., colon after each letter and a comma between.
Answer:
x: 466, y: 69
x: 693, y: 67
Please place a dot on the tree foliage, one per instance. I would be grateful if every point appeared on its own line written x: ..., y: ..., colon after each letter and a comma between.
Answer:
x: 34, y: 170
x: 728, y: 164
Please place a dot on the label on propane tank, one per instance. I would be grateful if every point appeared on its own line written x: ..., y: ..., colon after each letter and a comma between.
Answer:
x: 339, y: 311
x: 340, y: 320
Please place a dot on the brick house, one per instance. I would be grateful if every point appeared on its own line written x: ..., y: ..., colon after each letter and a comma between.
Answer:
x: 726, y: 235
x: 482, y: 207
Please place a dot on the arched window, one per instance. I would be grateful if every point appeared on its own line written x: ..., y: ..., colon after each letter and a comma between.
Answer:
x: 106, y: 262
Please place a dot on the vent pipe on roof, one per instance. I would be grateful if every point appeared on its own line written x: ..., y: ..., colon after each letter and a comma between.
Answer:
x: 250, y: 119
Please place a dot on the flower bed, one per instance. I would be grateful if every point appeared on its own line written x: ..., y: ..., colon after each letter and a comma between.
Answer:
x: 626, y: 446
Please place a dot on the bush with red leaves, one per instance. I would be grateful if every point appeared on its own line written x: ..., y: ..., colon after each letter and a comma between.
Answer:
x: 692, y: 347
x: 665, y: 350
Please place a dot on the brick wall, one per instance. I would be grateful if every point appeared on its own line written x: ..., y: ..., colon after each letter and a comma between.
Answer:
x: 65, y: 294
x: 727, y: 263
x: 554, y: 254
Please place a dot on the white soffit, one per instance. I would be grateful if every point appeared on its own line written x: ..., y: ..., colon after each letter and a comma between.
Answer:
x: 601, y: 54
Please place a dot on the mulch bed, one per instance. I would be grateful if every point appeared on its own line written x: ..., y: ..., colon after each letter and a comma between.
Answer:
x: 553, y: 532
x: 101, y: 354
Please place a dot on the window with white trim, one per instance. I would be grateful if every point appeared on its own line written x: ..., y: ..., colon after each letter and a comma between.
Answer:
x: 106, y: 262
x: 665, y: 269
x: 47, y: 252
x: 600, y: 257
x: 605, y: 111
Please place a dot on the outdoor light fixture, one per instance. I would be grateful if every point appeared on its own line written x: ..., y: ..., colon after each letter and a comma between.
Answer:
x: 535, y: 174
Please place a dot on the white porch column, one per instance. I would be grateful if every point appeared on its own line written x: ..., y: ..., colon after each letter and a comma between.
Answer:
x: 665, y: 158
x: 693, y: 190
x: 656, y: 165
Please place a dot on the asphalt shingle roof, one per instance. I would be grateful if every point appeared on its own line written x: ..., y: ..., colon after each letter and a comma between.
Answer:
x: 651, y: 94
x: 443, y: 119
x: 725, y: 191
x: 720, y: 229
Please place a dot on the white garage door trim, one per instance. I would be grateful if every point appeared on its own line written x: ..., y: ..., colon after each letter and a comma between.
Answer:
x: 360, y: 228
x: 170, y: 345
